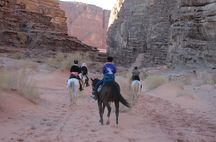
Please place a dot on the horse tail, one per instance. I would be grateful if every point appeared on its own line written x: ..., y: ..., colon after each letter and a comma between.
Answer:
x: 123, y: 101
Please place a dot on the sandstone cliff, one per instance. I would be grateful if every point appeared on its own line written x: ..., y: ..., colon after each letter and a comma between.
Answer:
x: 36, y: 24
x: 193, y: 33
x: 165, y: 31
x: 87, y: 22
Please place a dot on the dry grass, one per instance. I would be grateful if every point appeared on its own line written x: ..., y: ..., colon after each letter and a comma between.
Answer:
x: 18, y: 55
x: 21, y: 82
x: 154, y: 81
x: 207, y: 78
x: 64, y: 61
x: 143, y: 75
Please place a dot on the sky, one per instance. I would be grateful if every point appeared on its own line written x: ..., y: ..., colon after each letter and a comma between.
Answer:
x: 105, y: 4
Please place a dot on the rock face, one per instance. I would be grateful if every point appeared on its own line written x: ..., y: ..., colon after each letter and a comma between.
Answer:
x: 193, y: 33
x: 165, y: 31
x: 36, y: 24
x: 87, y: 22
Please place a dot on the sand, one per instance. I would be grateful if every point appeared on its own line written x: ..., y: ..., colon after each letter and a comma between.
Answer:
x: 161, y: 115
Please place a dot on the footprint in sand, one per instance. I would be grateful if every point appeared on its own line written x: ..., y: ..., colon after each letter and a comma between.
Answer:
x: 20, y: 140
x: 32, y: 128
x: 132, y: 140
x: 93, y: 130
x: 86, y: 125
x: 116, y: 132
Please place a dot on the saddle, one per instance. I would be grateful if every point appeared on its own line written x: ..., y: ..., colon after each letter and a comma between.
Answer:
x: 104, y: 83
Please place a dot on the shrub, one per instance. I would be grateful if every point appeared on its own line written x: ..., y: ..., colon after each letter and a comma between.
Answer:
x: 143, y: 75
x: 154, y: 81
x: 64, y: 61
x: 21, y: 82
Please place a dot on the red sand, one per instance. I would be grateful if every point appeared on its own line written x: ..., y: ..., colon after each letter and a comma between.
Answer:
x: 159, y: 116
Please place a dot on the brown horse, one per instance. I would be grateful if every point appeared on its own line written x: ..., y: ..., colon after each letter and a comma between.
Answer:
x: 110, y: 92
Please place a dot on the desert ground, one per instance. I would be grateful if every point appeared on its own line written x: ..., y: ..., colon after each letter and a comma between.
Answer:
x: 171, y: 112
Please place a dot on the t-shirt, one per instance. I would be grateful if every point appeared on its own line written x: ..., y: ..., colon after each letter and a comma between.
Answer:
x: 75, y: 68
x: 135, y: 72
x: 109, y: 68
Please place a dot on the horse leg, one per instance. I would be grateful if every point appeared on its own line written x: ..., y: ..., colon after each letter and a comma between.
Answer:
x: 117, y: 111
x: 103, y: 108
x: 71, y: 96
x: 100, y: 112
x: 87, y: 81
x: 108, y: 114
x: 76, y: 94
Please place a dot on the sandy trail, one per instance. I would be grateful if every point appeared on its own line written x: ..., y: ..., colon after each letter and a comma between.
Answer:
x: 153, y: 118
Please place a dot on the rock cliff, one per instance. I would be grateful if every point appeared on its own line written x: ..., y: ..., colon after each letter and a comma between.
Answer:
x: 36, y: 24
x: 193, y: 33
x: 87, y: 22
x: 165, y: 31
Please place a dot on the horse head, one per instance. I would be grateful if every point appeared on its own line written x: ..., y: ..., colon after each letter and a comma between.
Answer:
x: 94, y: 82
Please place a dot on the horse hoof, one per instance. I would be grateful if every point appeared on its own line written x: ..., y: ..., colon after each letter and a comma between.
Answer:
x: 101, y: 122
x: 107, y: 123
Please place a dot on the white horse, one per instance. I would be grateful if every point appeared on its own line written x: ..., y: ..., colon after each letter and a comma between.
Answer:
x: 73, y: 86
x: 136, y: 88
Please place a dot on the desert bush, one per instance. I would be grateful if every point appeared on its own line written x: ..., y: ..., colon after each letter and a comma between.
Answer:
x: 6, y: 79
x: 143, y: 75
x: 154, y: 81
x: 21, y: 82
x: 124, y: 74
x: 186, y: 81
x: 207, y: 78
x: 18, y: 55
x: 64, y: 61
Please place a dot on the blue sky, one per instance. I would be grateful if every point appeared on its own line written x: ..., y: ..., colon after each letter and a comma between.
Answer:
x: 105, y: 4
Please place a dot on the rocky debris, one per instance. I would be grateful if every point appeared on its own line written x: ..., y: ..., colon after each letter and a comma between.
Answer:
x: 166, y: 31
x: 87, y: 22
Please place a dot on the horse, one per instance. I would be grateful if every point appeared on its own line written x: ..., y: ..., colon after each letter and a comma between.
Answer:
x: 110, y: 92
x: 136, y: 87
x: 85, y: 80
x: 73, y: 86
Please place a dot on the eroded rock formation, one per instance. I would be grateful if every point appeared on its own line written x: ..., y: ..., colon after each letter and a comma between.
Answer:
x: 193, y: 33
x: 36, y: 24
x: 166, y: 31
x: 87, y: 22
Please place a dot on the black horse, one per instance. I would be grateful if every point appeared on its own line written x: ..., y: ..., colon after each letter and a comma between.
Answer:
x: 110, y: 92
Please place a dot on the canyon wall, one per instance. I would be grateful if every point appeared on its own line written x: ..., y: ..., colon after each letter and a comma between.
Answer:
x: 87, y: 22
x: 36, y: 24
x: 193, y: 33
x: 164, y: 31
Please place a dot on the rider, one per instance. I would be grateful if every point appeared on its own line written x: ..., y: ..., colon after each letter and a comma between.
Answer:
x: 75, y: 71
x: 109, y: 70
x: 135, y: 74
x: 84, y: 71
